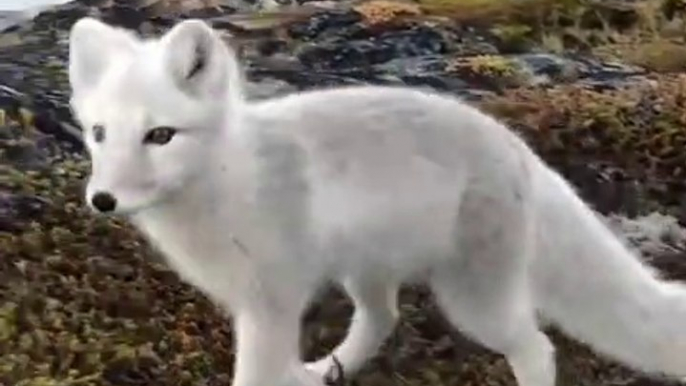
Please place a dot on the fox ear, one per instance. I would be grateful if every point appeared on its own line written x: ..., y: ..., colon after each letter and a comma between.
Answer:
x: 92, y: 46
x: 197, y: 59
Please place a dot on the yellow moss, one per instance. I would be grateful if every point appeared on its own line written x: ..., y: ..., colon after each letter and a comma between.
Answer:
x: 386, y: 11
x: 511, y: 33
x: 124, y: 351
x: 39, y: 381
x: 26, y: 117
x: 490, y: 65
x: 553, y: 43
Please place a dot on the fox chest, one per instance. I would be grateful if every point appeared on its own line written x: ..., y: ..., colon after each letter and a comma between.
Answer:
x: 209, y: 259
x: 224, y: 265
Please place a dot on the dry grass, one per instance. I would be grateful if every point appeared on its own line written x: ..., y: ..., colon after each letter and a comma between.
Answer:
x: 485, y: 10
x: 661, y: 55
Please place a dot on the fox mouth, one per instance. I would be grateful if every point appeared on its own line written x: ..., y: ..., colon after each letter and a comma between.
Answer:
x: 111, y: 204
x: 125, y: 205
x: 119, y: 211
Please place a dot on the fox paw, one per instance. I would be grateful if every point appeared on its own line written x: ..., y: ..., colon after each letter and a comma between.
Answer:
x: 306, y: 377
x: 331, y: 373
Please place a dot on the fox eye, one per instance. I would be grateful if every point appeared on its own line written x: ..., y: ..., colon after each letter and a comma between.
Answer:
x: 159, y: 135
x: 98, y: 133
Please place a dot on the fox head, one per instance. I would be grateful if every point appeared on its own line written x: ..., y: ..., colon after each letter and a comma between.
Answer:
x: 149, y: 108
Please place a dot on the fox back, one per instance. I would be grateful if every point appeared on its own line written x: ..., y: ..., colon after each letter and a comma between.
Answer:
x: 377, y: 170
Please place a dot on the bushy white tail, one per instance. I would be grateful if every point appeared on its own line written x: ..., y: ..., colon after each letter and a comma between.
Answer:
x: 594, y: 288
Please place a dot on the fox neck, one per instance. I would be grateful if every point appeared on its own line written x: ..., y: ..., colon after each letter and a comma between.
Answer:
x: 196, y: 231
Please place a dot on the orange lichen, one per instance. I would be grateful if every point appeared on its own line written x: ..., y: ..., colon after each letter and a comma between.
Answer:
x: 386, y: 11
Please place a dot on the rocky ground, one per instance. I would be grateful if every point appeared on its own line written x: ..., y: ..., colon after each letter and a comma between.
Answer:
x: 596, y: 87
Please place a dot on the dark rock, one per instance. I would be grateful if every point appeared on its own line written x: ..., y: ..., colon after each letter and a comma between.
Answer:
x: 11, y: 100
x: 425, y: 71
x: 673, y: 8
x: 269, y: 47
x: 470, y: 41
x: 168, y: 19
x: 317, y: 25
x: 673, y: 265
x: 618, y: 14
x: 23, y: 155
x: 127, y: 372
x: 414, y: 66
x: 547, y: 67
x: 47, y: 122
x: 102, y: 265
x: 17, y: 209
x: 343, y: 53
x: 605, y: 75
x: 60, y: 17
x: 125, y: 15
x: 302, y: 80
x: 607, y: 188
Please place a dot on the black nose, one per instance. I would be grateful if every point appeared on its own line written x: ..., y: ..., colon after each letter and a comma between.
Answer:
x: 104, y: 202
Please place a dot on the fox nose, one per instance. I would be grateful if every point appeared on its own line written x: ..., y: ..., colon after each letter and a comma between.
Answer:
x: 104, y: 202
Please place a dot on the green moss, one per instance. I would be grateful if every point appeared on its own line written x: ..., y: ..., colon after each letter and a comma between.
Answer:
x: 199, y: 364
x: 493, y: 69
x: 515, y: 37
x: 8, y: 321
x: 40, y: 381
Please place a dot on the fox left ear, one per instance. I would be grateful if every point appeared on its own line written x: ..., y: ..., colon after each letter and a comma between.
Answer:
x: 197, y: 59
x: 93, y: 46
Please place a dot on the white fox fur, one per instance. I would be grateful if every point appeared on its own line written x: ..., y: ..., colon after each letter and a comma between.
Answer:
x: 259, y: 203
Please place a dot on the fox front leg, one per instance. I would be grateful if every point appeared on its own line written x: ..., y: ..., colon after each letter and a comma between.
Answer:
x: 267, y: 349
x: 374, y: 297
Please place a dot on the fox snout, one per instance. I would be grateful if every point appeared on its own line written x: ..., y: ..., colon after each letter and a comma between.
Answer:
x: 103, y: 202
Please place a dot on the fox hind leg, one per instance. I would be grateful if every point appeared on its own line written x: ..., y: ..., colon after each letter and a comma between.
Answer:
x: 485, y: 292
x: 509, y: 329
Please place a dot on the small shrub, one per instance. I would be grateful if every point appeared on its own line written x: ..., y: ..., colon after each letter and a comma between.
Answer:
x: 658, y: 55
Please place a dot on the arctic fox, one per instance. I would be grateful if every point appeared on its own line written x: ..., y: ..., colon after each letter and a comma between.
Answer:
x: 260, y: 203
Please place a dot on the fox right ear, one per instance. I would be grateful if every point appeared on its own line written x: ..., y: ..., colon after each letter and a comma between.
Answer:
x: 196, y: 59
x: 92, y: 46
